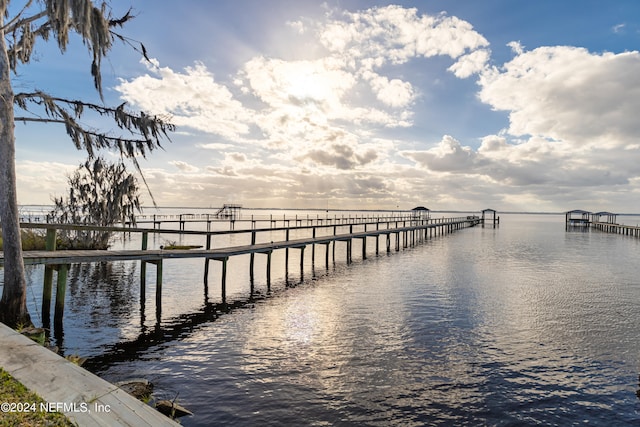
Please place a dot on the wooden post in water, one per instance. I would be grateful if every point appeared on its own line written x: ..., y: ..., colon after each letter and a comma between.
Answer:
x: 269, y: 271
x: 326, y: 255
x: 286, y: 251
x: 206, y: 264
x: 334, y: 251
x: 46, y: 296
x: 50, y: 245
x: 61, y: 291
x: 158, y: 264
x: 143, y: 267
x: 302, y: 263
x: 224, y: 279
x: 253, y: 256
x: 313, y: 248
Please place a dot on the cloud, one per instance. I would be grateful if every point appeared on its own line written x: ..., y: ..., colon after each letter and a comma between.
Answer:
x: 340, y: 156
x: 38, y: 182
x: 183, y: 166
x: 393, y: 34
x: 448, y: 156
x: 191, y: 98
x: 219, y: 146
x: 394, y: 93
x: 568, y: 94
x: 618, y: 28
x: 470, y: 64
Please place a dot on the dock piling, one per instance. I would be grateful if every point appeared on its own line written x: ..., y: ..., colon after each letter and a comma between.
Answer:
x: 61, y: 291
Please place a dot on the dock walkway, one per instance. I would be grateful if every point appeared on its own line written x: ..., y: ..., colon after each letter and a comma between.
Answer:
x: 84, y: 398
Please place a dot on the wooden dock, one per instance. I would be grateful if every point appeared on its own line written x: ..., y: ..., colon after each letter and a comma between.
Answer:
x: 601, y: 221
x: 84, y: 398
x: 398, y: 233
x: 626, y: 230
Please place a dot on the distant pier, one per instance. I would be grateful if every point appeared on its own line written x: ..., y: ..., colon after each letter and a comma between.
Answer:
x: 602, y: 221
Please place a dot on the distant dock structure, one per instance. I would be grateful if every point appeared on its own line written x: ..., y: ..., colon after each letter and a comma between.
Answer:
x: 229, y: 211
x: 577, y: 217
x: 420, y: 212
x: 490, y: 216
x: 601, y: 221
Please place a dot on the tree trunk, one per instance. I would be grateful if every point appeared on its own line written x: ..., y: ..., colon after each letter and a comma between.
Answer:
x: 13, y: 305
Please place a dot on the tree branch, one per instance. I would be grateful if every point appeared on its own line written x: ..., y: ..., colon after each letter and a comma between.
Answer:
x: 13, y: 25
x: 113, y: 139
x: 36, y: 119
x: 146, y: 131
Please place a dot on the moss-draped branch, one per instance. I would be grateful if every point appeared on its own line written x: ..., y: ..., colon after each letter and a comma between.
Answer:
x: 144, y: 131
x: 59, y: 18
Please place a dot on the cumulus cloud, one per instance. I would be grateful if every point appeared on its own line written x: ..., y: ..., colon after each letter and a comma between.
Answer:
x: 394, y: 34
x: 470, y: 64
x: 341, y: 156
x: 38, y: 182
x: 448, y: 156
x: 568, y: 94
x: 191, y: 99
x: 394, y: 93
x: 569, y: 121
x: 184, y: 166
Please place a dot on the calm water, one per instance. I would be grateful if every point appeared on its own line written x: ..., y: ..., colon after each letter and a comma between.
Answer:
x: 525, y: 324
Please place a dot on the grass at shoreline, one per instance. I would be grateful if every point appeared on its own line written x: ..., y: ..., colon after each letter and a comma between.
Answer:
x: 12, y: 391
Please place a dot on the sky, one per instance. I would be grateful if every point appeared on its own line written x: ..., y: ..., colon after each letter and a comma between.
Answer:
x: 348, y: 104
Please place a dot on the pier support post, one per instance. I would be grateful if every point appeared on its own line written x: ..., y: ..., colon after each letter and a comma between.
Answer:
x: 364, y: 248
x: 326, y: 255
x: 269, y: 271
x: 143, y: 266
x: 206, y: 265
x: 46, y: 296
x: 286, y: 253
x: 334, y: 251
x: 61, y: 291
x: 158, y: 264
x: 253, y: 256
x: 224, y: 280
x: 313, y: 248
x: 47, y: 286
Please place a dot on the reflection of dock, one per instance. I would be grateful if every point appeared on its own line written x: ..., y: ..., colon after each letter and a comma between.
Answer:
x: 398, y: 233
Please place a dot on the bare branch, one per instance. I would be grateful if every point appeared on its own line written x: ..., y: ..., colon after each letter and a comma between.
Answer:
x: 36, y: 119
x: 16, y: 22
